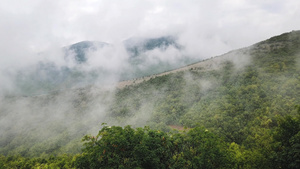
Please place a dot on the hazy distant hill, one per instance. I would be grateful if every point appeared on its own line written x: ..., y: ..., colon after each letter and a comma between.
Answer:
x: 136, y: 46
x: 80, y: 49
x: 93, y: 62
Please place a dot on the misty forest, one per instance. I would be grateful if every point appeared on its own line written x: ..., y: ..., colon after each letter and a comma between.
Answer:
x: 237, y: 110
x: 152, y: 84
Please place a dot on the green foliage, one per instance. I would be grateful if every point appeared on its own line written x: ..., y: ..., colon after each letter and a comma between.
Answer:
x: 62, y: 161
x: 287, y: 143
x: 117, y: 147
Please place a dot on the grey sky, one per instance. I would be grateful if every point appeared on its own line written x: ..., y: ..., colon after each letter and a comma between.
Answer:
x: 206, y: 28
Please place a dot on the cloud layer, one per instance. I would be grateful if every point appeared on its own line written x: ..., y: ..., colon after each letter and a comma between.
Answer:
x: 205, y: 28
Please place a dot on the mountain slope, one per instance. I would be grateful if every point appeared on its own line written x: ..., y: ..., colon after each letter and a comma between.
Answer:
x: 226, y: 94
x: 237, y: 96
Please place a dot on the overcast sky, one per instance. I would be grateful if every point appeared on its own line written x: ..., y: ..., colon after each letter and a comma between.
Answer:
x: 207, y: 28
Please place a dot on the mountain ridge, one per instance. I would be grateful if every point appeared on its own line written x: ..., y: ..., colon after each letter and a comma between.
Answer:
x: 212, y: 63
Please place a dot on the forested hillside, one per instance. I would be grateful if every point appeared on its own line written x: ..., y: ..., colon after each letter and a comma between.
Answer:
x: 239, y: 110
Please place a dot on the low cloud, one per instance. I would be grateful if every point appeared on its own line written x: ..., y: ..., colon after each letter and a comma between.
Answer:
x: 33, y: 33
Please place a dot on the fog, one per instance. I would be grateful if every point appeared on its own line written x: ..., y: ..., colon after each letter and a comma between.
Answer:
x: 205, y: 29
x: 34, y: 35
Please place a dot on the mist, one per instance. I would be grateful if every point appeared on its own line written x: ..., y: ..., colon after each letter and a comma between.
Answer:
x: 43, y: 88
x: 204, y: 29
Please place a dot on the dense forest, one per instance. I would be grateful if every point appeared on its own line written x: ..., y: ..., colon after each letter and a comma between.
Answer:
x: 240, y: 110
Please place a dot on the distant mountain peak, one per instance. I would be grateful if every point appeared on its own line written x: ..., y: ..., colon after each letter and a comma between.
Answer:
x: 80, y: 49
x: 88, y: 44
x: 137, y: 45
